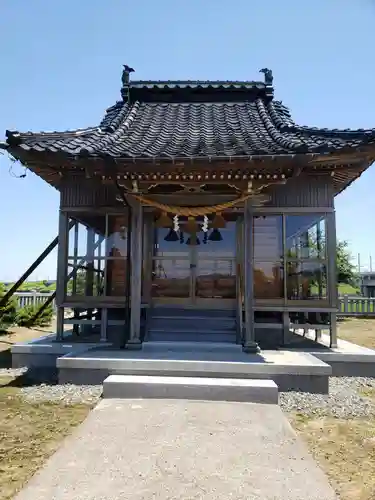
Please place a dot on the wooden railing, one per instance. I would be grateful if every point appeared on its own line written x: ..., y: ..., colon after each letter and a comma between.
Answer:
x: 348, y: 306
x: 356, y: 306
x: 33, y: 298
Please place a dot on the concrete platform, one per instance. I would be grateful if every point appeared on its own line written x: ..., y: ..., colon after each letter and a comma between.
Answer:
x: 346, y: 360
x: 44, y: 351
x: 179, y: 450
x: 198, y: 389
x: 289, y: 370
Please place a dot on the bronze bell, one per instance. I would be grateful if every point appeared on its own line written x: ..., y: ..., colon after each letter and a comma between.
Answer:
x: 193, y: 240
x: 172, y: 236
x: 215, y: 235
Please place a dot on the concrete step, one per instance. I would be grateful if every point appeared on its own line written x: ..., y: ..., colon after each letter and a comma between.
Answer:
x: 191, y: 336
x: 186, y: 312
x: 191, y: 388
x: 185, y: 347
x: 192, y: 323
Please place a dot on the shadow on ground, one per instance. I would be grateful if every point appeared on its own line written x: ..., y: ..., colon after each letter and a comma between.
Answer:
x: 6, y: 358
x: 33, y: 377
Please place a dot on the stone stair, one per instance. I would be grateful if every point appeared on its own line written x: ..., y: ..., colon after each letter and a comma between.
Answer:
x: 191, y: 325
x: 190, y: 388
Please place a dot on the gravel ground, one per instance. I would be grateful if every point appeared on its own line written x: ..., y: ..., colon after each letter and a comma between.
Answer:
x: 344, y: 400
x: 12, y: 372
x: 67, y: 394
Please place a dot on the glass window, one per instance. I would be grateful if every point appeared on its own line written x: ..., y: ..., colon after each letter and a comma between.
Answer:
x: 85, y: 278
x: 116, y: 278
x: 165, y: 247
x: 97, y: 256
x: 224, y: 245
x: 305, y: 236
x: 268, y: 280
x: 117, y: 235
x: 306, y: 280
x: 87, y: 236
x: 268, y: 238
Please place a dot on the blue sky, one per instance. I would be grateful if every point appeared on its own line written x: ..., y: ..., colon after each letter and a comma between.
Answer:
x: 61, y: 67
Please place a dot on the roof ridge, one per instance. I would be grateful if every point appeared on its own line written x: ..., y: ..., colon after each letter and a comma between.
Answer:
x: 137, y: 82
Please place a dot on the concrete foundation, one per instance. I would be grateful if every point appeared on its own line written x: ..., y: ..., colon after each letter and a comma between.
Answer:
x: 289, y: 370
x: 306, y: 370
x: 188, y: 388
x: 346, y: 360
x: 44, y: 351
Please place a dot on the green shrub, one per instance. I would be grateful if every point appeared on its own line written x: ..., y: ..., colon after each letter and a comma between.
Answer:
x: 26, y: 314
x: 8, y: 311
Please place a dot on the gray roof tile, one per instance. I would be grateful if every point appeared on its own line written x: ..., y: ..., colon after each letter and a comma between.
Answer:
x: 170, y: 119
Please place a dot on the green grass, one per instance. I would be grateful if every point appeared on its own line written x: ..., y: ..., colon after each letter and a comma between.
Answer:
x: 39, y: 286
x: 345, y: 289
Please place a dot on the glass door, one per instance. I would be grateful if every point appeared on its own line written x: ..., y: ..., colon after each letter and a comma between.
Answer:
x: 172, y: 270
x: 215, y: 281
x: 203, y: 275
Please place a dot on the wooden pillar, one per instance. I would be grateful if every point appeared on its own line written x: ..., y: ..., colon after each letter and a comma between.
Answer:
x: 103, y: 325
x: 136, y: 277
x: 332, y: 274
x: 89, y: 284
x: 249, y: 332
x: 62, y: 250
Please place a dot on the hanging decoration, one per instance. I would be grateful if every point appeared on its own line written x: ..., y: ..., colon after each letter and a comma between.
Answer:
x: 164, y: 220
x: 176, y: 224
x: 215, y: 235
x: 173, y: 232
x: 205, y: 229
x: 172, y: 235
x: 191, y: 227
x: 190, y: 211
x: 218, y: 222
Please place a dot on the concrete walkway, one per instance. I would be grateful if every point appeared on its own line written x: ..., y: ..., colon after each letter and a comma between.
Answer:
x: 181, y: 450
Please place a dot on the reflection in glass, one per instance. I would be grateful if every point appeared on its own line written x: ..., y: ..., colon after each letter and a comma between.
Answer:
x: 224, y: 247
x: 268, y: 280
x: 86, y: 278
x: 306, y: 281
x: 83, y: 238
x: 171, y: 278
x: 165, y: 248
x: 305, y: 236
x: 268, y: 238
x: 117, y: 234
x: 116, y: 277
x: 216, y: 279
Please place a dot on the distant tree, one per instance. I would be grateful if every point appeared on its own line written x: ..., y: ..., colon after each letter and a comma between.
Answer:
x: 7, y: 311
x: 346, y: 272
x: 25, y: 316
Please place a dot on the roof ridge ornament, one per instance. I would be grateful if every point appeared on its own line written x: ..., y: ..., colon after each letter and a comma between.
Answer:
x: 126, y: 74
x: 268, y: 77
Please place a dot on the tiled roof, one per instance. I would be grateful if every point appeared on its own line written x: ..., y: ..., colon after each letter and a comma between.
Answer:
x: 192, y: 119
